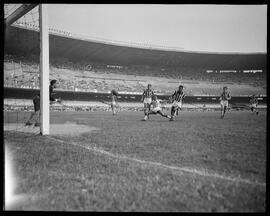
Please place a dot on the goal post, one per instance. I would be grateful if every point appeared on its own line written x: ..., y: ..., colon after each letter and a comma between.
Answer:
x: 16, y: 14
x: 44, y: 70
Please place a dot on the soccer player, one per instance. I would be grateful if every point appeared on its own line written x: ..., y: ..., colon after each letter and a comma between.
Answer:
x: 114, y: 103
x: 157, y: 108
x: 253, y: 104
x: 35, y: 116
x: 224, y: 101
x: 53, y: 99
x: 177, y: 99
x: 147, y: 99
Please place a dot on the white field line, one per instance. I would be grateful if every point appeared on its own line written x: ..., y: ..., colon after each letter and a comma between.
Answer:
x: 179, y: 169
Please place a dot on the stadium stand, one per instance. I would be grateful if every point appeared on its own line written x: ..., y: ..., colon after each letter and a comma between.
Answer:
x: 23, y: 72
x: 96, y: 66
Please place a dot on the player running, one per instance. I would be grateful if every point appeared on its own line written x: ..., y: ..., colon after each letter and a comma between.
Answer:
x: 114, y: 103
x: 147, y: 99
x: 35, y: 116
x: 177, y: 99
x: 157, y: 108
x: 224, y: 101
x: 253, y: 104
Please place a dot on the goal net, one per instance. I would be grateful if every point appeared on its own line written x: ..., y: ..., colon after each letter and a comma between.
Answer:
x: 24, y: 68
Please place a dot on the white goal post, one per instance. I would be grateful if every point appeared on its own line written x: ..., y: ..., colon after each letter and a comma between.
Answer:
x: 44, y: 70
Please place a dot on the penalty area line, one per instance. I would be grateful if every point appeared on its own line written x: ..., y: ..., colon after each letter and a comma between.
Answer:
x: 204, y: 173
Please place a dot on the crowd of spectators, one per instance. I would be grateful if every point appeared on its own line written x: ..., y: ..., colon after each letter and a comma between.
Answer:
x: 30, y: 108
x: 20, y: 72
x: 23, y: 72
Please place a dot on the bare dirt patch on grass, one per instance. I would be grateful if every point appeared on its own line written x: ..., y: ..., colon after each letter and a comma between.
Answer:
x: 68, y: 128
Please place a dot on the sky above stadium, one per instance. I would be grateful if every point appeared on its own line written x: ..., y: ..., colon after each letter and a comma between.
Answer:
x: 212, y: 28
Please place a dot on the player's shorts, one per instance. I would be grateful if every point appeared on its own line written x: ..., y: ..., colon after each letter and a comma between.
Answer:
x: 253, y: 105
x: 113, y: 103
x: 156, y: 109
x: 224, y: 103
x: 147, y: 100
x: 177, y: 104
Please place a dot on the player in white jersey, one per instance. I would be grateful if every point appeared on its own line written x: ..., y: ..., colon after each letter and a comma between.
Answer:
x: 224, y: 101
x: 156, y: 108
x: 177, y: 99
x: 114, y: 103
x: 147, y: 99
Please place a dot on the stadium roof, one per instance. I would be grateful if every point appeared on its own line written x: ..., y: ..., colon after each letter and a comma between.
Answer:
x: 25, y: 41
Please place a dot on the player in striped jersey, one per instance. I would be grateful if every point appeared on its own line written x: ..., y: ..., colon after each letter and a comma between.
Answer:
x: 253, y: 104
x: 157, y: 108
x: 177, y: 99
x: 224, y: 101
x: 147, y: 99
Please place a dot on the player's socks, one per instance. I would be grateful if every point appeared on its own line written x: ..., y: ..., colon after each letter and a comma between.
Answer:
x: 172, y: 111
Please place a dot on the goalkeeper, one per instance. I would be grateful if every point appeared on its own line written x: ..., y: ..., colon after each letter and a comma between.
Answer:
x: 35, y: 116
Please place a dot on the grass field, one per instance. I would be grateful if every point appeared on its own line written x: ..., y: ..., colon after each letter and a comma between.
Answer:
x: 197, y: 163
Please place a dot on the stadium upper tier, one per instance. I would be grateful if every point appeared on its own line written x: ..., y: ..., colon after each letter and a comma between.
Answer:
x: 23, y: 72
x: 25, y: 41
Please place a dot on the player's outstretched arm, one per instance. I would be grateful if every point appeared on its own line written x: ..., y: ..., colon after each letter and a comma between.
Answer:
x: 60, y: 100
x: 56, y: 100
